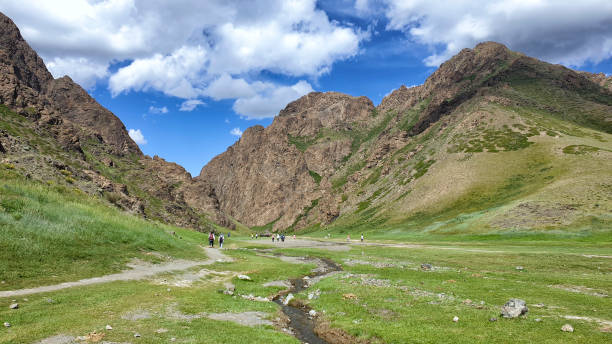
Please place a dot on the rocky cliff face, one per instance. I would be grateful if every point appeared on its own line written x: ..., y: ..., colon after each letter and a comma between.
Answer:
x: 85, y: 145
x: 332, y: 159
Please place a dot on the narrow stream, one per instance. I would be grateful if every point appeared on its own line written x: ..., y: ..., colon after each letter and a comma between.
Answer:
x: 299, y: 321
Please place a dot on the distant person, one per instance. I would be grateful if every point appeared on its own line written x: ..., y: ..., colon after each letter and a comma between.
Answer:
x: 293, y: 236
x: 283, y: 238
x: 277, y: 238
x: 228, y: 234
x: 272, y: 237
x: 256, y: 235
x: 211, y: 239
x: 362, y: 237
x: 348, y: 237
x: 221, y: 239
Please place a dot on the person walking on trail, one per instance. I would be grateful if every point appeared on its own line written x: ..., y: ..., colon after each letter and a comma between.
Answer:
x: 277, y: 237
x: 211, y: 239
x: 272, y: 237
x: 283, y: 238
x: 221, y: 239
x: 362, y: 237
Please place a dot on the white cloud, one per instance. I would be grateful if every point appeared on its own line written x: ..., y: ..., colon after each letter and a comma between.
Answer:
x: 236, y: 132
x: 183, y: 48
x: 158, y: 110
x: 191, y: 104
x: 269, y: 102
x: 567, y: 32
x: 82, y: 70
x: 176, y: 74
x: 137, y: 136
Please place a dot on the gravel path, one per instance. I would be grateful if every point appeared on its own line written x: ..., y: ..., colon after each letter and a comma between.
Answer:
x: 137, y: 271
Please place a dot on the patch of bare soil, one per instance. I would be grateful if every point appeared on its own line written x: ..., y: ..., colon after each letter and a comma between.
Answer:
x: 580, y: 289
x: 536, y: 214
x: 245, y: 319
x: 335, y: 335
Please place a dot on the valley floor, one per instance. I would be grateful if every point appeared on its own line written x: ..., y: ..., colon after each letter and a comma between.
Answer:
x: 382, y: 295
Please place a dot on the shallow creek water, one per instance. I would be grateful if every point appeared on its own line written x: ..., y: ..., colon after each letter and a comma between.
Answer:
x: 300, y: 322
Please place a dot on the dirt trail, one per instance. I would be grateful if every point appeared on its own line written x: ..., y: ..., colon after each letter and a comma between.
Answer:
x: 137, y: 271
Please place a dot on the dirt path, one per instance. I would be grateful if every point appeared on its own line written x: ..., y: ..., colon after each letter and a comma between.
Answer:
x: 137, y: 271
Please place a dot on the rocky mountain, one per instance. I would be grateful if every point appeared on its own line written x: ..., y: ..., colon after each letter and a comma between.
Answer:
x: 52, y: 130
x: 493, y: 137
x: 492, y: 141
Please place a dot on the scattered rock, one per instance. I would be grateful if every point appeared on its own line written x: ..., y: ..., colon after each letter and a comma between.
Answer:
x: 251, y: 297
x: 567, y: 328
x: 136, y: 335
x: 494, y: 319
x: 59, y: 339
x: 94, y: 337
x: 349, y: 296
x: 50, y: 300
x: 426, y: 267
x: 455, y: 319
x: 173, y: 339
x: 519, y: 268
x: 244, y: 278
x: 282, y: 284
x: 306, y: 278
x: 7, y: 324
x: 467, y: 302
x: 314, y: 295
x: 538, y: 320
x: 312, y: 313
x: 514, y: 308
x: 288, y: 299
x: 109, y: 327
x: 161, y: 330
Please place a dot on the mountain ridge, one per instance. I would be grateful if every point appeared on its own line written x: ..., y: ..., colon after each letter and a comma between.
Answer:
x: 331, y: 160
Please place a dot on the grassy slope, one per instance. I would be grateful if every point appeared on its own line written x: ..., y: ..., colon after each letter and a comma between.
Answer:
x: 50, y: 233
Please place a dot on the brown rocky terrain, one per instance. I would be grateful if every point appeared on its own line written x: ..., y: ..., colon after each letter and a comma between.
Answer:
x: 490, y: 132
x: 70, y: 138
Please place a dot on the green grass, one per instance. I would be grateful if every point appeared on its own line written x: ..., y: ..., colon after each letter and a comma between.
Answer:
x: 417, y: 306
x: 315, y: 176
x: 51, y: 234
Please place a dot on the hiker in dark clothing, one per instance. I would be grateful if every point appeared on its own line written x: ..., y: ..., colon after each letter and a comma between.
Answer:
x: 221, y: 239
x: 211, y: 239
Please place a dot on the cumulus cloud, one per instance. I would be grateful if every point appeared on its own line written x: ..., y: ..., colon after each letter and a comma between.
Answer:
x: 137, y: 136
x: 191, y: 104
x: 269, y: 102
x: 567, y: 32
x: 158, y: 110
x: 236, y: 132
x: 185, y: 48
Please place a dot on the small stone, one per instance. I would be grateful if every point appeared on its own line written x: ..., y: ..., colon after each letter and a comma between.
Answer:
x: 7, y: 324
x: 538, y: 320
x: 244, y: 277
x: 26, y: 300
x: 136, y: 335
x: 49, y: 300
x: 14, y: 306
x: 567, y: 328
x: 288, y: 299
x: 173, y: 339
x: 426, y: 267
x: 467, y: 302
x: 494, y: 319
x: 168, y: 290
x: 109, y: 327
x: 306, y: 278
x: 312, y: 313
x: 161, y: 330
x: 519, y: 268
x: 455, y: 318
x: 514, y: 308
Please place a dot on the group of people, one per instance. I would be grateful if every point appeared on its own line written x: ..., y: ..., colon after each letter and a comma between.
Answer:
x: 212, y: 237
x: 277, y: 237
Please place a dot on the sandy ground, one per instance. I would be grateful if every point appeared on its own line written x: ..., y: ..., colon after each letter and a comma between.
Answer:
x: 137, y: 271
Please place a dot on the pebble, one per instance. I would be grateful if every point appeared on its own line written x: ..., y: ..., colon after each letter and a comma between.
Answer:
x: 288, y: 299
x: 494, y: 319
x: 519, y: 268
x: 136, y: 335
x: 455, y: 319
x: 109, y: 327
x: 426, y: 266
x: 173, y: 339
x: 312, y: 313
x: 244, y: 277
x: 14, y: 306
x: 538, y: 320
x: 514, y: 308
x: 567, y: 328
x: 7, y: 324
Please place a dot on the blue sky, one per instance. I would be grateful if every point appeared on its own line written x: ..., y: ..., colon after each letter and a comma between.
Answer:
x: 238, y: 63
